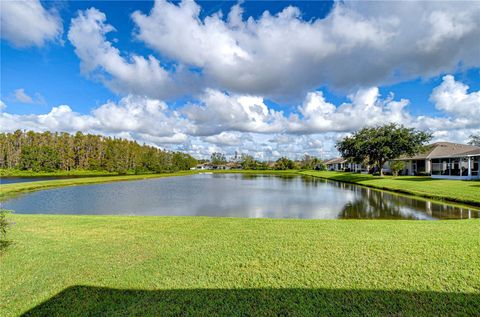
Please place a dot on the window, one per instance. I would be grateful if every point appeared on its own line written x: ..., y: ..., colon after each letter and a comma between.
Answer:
x: 445, y: 166
x: 437, y: 167
x: 475, y: 165
x: 463, y: 166
x: 455, y: 166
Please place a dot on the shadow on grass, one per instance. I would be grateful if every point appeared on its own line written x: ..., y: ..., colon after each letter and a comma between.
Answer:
x: 97, y: 301
x: 351, y: 178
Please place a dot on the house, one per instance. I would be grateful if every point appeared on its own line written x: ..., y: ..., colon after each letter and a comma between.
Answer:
x: 336, y: 164
x: 445, y: 160
x: 204, y: 166
x: 341, y: 164
x: 234, y: 166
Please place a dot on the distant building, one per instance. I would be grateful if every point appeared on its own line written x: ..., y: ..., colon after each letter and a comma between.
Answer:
x: 204, y: 166
x: 341, y: 164
x: 234, y: 166
x: 336, y: 164
x: 208, y: 166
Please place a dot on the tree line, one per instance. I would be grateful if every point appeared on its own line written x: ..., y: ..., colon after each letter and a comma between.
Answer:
x: 48, y: 151
x: 248, y: 162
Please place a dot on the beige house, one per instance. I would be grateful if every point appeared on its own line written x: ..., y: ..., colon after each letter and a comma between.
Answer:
x: 445, y: 160
x: 341, y: 164
x: 336, y: 164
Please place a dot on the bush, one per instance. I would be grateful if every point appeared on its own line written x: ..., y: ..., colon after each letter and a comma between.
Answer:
x: 396, y: 167
x: 4, y: 223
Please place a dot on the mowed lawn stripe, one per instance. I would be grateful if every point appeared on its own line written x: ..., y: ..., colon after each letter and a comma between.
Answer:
x: 137, y: 265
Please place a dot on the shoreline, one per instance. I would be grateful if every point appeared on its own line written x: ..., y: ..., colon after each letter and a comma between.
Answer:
x: 415, y: 186
x: 11, y: 190
x: 367, y: 180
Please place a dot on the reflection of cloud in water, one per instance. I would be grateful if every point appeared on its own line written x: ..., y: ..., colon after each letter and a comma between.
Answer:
x: 234, y: 195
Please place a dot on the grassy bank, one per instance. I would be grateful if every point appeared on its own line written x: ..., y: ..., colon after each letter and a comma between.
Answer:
x: 29, y: 173
x: 106, y: 265
x: 87, y: 173
x: 467, y: 192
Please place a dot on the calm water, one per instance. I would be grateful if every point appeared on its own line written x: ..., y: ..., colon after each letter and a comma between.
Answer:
x: 234, y: 195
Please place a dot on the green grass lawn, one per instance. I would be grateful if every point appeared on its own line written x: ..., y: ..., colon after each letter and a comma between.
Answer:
x: 122, y: 266
x: 29, y: 173
x: 467, y: 192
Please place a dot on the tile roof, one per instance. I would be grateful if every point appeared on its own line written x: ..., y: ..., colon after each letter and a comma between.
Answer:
x: 337, y: 160
x: 445, y: 149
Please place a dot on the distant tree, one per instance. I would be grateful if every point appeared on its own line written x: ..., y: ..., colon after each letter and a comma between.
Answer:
x: 218, y: 159
x: 309, y: 162
x: 396, y: 167
x: 306, y: 162
x: 248, y: 162
x: 474, y: 140
x: 380, y: 144
x: 284, y: 163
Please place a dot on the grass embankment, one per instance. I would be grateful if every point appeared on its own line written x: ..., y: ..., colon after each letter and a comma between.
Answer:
x: 9, y: 190
x: 467, y: 192
x: 149, y: 266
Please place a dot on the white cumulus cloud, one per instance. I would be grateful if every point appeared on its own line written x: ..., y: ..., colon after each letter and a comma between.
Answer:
x: 27, y: 23
x: 357, y: 45
x: 453, y: 98
x: 232, y: 123
x: 133, y: 75
x: 218, y: 112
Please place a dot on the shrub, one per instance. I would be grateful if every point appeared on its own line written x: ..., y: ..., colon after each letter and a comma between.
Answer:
x: 321, y: 167
x: 4, y: 223
x: 396, y: 167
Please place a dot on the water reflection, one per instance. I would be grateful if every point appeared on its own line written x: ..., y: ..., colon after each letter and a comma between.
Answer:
x: 236, y: 195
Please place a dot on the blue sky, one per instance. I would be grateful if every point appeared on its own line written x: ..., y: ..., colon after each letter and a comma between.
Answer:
x: 59, y: 65
x: 312, y: 62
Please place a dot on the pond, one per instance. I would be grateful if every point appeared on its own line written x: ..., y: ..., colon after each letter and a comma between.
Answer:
x: 235, y: 195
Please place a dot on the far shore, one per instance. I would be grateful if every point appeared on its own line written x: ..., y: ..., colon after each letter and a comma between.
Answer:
x: 454, y: 191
